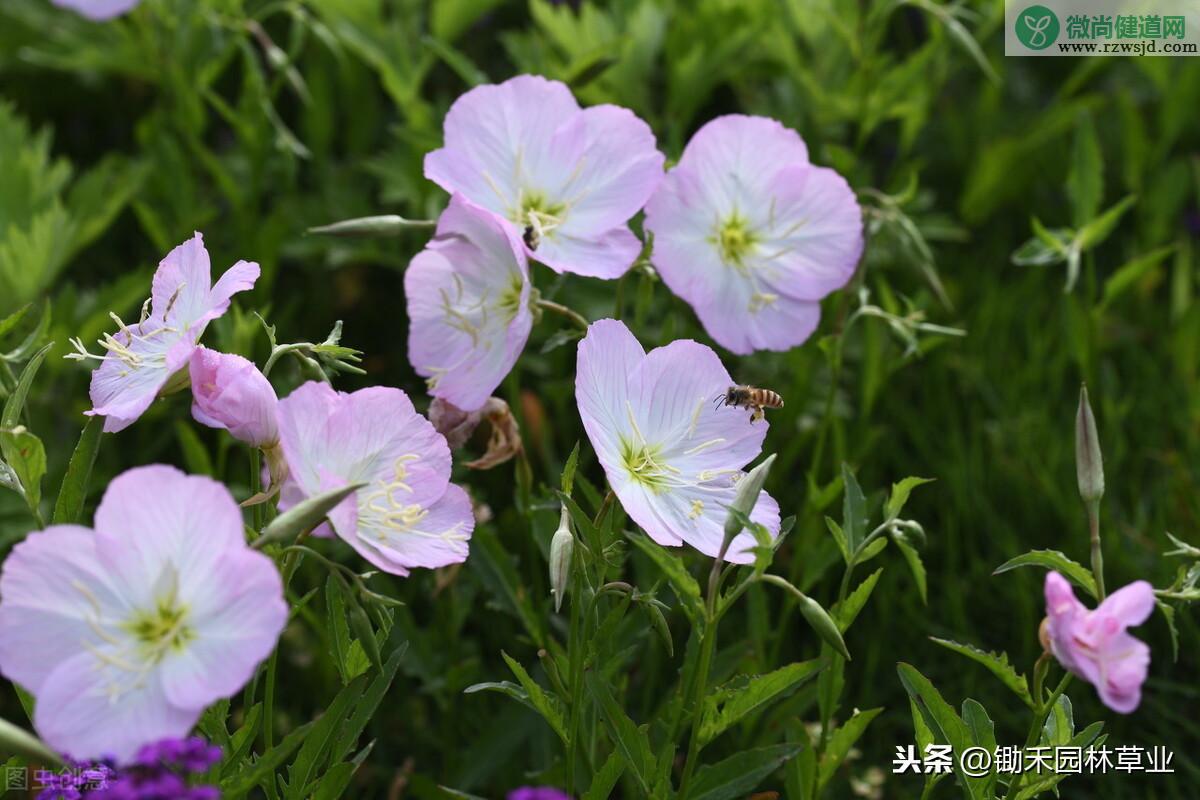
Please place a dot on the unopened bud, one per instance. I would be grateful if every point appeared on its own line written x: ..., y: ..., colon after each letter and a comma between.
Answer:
x: 824, y: 625
x: 1089, y: 465
x: 562, y: 547
x: 745, y: 497
x: 1044, y: 634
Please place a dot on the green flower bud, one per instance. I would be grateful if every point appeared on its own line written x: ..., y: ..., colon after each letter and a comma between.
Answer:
x: 562, y: 547
x: 824, y: 625
x: 745, y: 498
x: 1089, y: 465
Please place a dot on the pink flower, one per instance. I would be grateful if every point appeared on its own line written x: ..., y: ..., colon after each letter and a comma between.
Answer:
x: 468, y: 305
x: 672, y: 456
x: 229, y: 392
x: 98, y: 9
x: 126, y: 633
x: 409, y: 514
x: 1094, y: 644
x: 566, y: 179
x: 141, y: 358
x: 752, y: 235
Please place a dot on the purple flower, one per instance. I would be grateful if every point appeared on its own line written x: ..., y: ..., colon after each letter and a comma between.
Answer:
x: 409, y: 515
x: 126, y: 633
x: 671, y: 455
x: 141, y: 358
x: 97, y: 9
x: 1094, y: 644
x: 752, y: 235
x: 565, y: 179
x: 468, y: 305
x: 229, y: 392
x: 538, y: 793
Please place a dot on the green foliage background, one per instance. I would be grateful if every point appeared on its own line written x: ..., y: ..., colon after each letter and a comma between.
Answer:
x: 252, y: 121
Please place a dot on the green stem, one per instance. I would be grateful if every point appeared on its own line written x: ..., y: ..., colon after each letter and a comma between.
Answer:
x: 1035, y: 730
x: 569, y: 313
x: 708, y: 643
x: 280, y: 350
x: 1093, y: 512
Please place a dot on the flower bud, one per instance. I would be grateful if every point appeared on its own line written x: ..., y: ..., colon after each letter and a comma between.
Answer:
x: 820, y: 621
x: 229, y: 392
x: 745, y: 497
x: 562, y: 547
x: 1044, y: 634
x: 1089, y: 465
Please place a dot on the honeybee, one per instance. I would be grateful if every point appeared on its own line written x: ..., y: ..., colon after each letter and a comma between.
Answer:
x: 751, y: 397
x: 531, y: 238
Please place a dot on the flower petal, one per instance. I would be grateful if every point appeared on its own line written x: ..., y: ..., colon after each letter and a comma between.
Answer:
x: 742, y: 320
x: 439, y: 538
x: 607, y: 255
x: 76, y: 715
x: 1130, y: 605
x: 468, y: 306
x: 55, y: 594
x: 608, y: 355
x: 236, y: 619
x: 183, y: 293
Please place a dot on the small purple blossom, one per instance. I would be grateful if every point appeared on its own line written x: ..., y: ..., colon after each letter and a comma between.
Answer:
x: 565, y: 179
x: 538, y: 793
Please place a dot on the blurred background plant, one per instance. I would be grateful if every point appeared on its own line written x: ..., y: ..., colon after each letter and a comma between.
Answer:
x: 988, y: 183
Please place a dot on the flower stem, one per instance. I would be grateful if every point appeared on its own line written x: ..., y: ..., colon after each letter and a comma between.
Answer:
x: 1035, y: 730
x: 1093, y: 512
x: 558, y: 308
x: 708, y: 643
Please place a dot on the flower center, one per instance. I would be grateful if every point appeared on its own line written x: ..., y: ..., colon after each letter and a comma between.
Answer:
x: 161, y: 629
x: 735, y: 240
x: 509, y: 302
x: 538, y: 217
x: 382, y: 510
x: 644, y: 465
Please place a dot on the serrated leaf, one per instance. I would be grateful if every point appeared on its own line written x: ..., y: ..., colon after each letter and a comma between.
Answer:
x: 250, y: 776
x: 915, y: 566
x: 544, y: 704
x: 368, y: 704
x: 847, y: 611
x: 737, y: 776
x: 900, y: 494
x: 996, y: 663
x: 682, y: 583
x: 728, y: 705
x: 320, y: 739
x: 944, y: 723
x: 854, y: 510
x: 841, y: 741
x: 630, y: 740
x: 1054, y: 560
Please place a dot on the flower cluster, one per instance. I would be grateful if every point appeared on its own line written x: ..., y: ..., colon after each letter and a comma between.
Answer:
x: 161, y: 770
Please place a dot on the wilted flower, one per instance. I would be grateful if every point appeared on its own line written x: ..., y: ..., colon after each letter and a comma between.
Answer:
x: 141, y: 358
x: 565, y: 179
x: 126, y: 634
x: 98, y: 9
x: 752, y: 235
x: 468, y: 305
x: 671, y: 455
x: 229, y: 392
x: 409, y: 515
x: 1094, y: 644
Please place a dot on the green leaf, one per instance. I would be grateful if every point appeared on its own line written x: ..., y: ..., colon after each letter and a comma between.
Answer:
x: 19, y: 741
x: 1096, y: 231
x: 72, y: 494
x: 847, y: 611
x: 854, y: 510
x: 996, y: 663
x: 334, y: 782
x: 1059, y: 728
x: 900, y: 494
x: 839, y: 536
x: 496, y: 570
x: 544, y: 704
x: 304, y: 516
x: 568, y: 473
x: 368, y: 704
x: 943, y: 722
x: 915, y: 566
x: 738, y: 775
x: 1054, y: 560
x: 13, y: 319
x: 26, y: 456
x: 250, y: 776
x: 728, y: 705
x: 1085, y: 179
x: 16, y: 401
x: 605, y: 779
x: 983, y: 734
x: 1168, y: 612
x: 195, y: 455
x: 841, y: 741
x: 631, y: 741
x: 320, y: 739
x: 682, y: 583
x: 1133, y: 271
